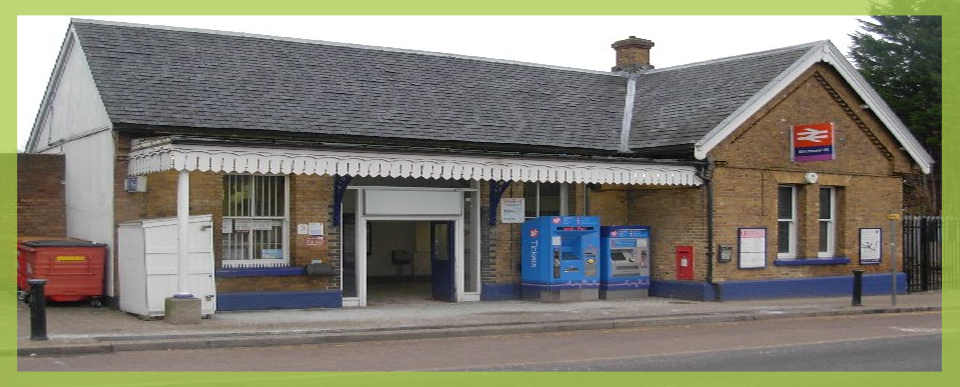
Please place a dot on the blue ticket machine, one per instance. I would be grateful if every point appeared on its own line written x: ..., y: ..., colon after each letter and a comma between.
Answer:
x: 560, y: 258
x: 624, y: 262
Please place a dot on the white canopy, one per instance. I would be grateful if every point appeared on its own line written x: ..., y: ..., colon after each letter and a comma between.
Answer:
x: 165, y: 155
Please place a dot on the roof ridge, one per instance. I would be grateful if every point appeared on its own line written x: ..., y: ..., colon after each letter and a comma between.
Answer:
x: 339, y: 44
x: 810, y: 45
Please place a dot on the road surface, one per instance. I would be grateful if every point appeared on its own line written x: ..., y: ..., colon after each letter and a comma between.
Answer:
x: 875, y: 342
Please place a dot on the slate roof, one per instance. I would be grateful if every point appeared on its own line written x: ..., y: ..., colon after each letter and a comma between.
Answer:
x: 679, y: 105
x: 180, y: 78
x: 210, y: 81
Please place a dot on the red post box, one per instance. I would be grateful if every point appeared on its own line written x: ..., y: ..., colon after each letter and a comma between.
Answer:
x: 684, y: 262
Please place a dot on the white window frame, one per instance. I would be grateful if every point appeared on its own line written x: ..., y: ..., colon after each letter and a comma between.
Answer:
x: 792, y: 224
x: 564, y: 198
x: 285, y: 230
x: 830, y: 223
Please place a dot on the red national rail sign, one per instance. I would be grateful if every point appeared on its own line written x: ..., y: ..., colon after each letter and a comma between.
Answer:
x: 812, y: 142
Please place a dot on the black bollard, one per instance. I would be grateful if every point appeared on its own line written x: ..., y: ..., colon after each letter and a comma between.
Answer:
x: 38, y: 309
x: 857, y: 286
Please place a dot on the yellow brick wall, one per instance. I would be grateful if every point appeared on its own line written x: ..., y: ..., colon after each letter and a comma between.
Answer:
x: 755, y: 161
x: 499, y: 244
x: 677, y: 217
x: 609, y: 203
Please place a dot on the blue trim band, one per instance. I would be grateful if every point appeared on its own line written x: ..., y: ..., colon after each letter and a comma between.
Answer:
x: 260, y: 271
x: 812, y: 261
x: 683, y: 290
x: 280, y: 300
x: 624, y: 286
x: 838, y: 286
x: 499, y: 292
x: 580, y: 285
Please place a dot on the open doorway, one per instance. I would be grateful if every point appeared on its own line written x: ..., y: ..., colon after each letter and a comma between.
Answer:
x: 403, y: 244
x: 406, y: 261
x: 409, y: 261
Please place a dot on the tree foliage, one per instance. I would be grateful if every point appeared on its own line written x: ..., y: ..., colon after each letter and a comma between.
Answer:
x: 901, y: 57
x: 900, y: 53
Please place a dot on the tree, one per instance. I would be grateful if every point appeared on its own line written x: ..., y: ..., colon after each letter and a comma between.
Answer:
x: 901, y: 57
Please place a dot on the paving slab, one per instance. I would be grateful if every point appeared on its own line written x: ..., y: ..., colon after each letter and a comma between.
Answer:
x: 77, y: 328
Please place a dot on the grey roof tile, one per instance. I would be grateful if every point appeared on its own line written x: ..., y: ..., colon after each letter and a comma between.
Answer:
x: 209, y: 81
x: 678, y: 106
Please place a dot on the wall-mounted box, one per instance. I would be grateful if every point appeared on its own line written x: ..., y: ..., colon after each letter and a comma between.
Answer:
x: 135, y: 184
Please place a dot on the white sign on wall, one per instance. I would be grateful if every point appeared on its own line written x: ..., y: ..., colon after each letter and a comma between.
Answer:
x: 512, y: 210
x: 870, y: 246
x: 752, y: 244
x: 412, y: 202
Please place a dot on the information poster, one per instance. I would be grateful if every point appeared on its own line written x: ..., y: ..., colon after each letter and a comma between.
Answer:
x: 316, y: 241
x: 271, y: 253
x: 752, y: 243
x: 870, y: 246
x: 512, y: 210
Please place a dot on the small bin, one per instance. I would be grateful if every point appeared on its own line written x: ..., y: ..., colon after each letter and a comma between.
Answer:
x: 321, y: 269
x: 73, y: 268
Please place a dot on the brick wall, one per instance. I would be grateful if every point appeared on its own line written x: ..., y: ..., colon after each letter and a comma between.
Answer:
x: 863, y: 146
x: 755, y: 161
x: 609, y: 203
x: 311, y: 201
x: 41, y: 198
x: 677, y: 217
x: 499, y: 244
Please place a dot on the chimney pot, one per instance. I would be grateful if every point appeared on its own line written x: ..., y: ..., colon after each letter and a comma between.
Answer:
x: 633, y: 54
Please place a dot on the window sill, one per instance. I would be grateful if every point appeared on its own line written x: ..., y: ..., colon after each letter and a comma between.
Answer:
x: 260, y: 272
x: 812, y: 261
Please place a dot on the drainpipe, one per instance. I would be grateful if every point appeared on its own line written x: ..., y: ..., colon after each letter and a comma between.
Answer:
x: 628, y: 112
x: 705, y: 172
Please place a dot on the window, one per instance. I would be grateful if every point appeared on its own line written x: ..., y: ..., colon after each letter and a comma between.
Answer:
x: 254, y: 221
x: 544, y: 199
x: 787, y: 222
x: 828, y: 214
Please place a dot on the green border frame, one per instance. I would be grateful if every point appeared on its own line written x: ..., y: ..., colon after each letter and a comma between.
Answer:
x: 951, y: 297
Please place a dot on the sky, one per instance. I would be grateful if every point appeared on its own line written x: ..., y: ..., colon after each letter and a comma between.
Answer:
x: 581, y: 42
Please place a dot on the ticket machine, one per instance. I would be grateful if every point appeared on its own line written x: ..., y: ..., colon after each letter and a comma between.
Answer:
x: 624, y: 262
x: 560, y: 258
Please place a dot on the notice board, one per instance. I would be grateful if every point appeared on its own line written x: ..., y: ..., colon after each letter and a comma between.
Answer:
x: 752, y: 248
x: 871, y: 247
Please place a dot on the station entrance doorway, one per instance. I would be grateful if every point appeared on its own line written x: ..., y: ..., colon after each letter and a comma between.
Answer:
x: 403, y: 245
x: 411, y: 261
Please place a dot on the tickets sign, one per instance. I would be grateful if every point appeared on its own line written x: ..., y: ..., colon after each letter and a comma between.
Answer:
x: 812, y: 142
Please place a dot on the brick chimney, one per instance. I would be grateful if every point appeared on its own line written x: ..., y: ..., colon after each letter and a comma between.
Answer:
x: 633, y: 54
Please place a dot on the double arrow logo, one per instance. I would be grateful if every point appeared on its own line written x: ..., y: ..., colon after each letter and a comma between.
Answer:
x: 812, y: 135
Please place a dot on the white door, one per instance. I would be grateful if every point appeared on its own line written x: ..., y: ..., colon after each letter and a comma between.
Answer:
x: 160, y: 247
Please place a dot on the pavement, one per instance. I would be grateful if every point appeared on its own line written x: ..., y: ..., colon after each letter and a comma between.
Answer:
x: 80, y: 329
